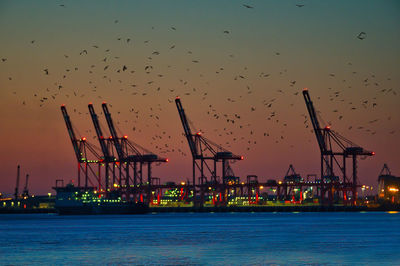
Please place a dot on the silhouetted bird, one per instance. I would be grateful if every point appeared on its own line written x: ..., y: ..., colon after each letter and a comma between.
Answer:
x: 362, y: 35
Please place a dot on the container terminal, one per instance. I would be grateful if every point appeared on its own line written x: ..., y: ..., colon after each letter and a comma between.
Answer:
x: 120, y: 181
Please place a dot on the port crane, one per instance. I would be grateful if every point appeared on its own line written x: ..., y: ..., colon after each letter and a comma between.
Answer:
x: 129, y: 152
x: 332, y: 146
x: 204, y: 150
x: 82, y: 149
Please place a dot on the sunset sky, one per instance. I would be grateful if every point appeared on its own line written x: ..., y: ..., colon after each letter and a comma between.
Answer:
x: 222, y: 58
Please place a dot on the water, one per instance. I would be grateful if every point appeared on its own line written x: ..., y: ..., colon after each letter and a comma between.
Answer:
x: 201, y: 239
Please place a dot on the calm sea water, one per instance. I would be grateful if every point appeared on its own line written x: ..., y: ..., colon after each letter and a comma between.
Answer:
x: 201, y: 239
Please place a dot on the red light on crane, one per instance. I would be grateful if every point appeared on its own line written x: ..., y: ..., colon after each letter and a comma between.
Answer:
x: 62, y: 105
x: 328, y: 127
x: 90, y: 103
x: 198, y: 133
x: 104, y: 102
x: 83, y: 139
x: 110, y: 137
x: 166, y: 160
x: 177, y: 97
x: 305, y: 89
x: 241, y: 157
x: 373, y: 153
x: 125, y: 136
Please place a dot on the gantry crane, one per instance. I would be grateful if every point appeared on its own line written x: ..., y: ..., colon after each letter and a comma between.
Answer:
x: 328, y: 140
x: 203, y: 150
x: 82, y: 149
x: 128, y: 152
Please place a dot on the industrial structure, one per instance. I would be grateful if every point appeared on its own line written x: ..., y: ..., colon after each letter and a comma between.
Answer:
x: 335, y: 150
x: 213, y: 182
x: 388, y: 186
x: 204, y: 151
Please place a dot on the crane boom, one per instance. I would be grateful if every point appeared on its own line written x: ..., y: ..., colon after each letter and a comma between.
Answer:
x: 113, y: 132
x: 314, y: 121
x: 95, y: 119
x: 71, y: 133
x: 186, y: 128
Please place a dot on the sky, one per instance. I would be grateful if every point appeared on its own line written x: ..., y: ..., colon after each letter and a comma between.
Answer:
x: 223, y: 59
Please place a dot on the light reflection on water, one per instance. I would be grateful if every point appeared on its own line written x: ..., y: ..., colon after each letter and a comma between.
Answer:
x: 201, y: 238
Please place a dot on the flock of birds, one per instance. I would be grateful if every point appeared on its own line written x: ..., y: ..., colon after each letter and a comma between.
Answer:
x: 105, y: 70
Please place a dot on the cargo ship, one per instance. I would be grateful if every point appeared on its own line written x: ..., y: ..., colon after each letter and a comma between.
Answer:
x: 72, y: 200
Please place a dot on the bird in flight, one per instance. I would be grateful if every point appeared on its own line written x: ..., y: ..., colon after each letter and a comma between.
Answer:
x: 299, y: 5
x: 247, y: 6
x: 362, y: 35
